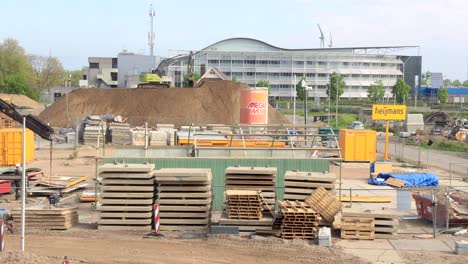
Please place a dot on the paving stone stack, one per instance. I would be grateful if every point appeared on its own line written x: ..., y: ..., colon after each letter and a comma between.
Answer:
x: 261, y: 179
x: 298, y: 185
x: 242, y: 204
x: 120, y: 133
x: 127, y: 197
x: 184, y: 198
x: 298, y: 220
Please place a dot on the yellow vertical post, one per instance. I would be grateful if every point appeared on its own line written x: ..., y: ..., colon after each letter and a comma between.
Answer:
x: 386, y: 141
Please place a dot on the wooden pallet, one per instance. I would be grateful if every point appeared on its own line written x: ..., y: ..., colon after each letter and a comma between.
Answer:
x: 324, y: 203
x: 385, y: 223
x: 358, y: 234
x: 127, y: 197
x: 297, y: 220
x: 243, y: 204
x: 299, y: 185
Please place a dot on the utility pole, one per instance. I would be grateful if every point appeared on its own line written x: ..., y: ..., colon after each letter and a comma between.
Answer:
x: 151, y: 33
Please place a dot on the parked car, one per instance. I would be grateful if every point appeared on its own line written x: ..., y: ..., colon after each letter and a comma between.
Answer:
x: 356, y: 125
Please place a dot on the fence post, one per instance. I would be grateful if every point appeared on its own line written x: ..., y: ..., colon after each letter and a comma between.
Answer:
x: 447, y: 208
x: 434, y: 213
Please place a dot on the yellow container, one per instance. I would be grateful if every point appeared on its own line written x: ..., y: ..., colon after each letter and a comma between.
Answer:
x: 11, y: 146
x: 358, y: 145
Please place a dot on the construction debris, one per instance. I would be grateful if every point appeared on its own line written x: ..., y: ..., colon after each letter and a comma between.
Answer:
x: 127, y: 197
x: 184, y: 198
x: 58, y: 185
x: 50, y: 219
x: 260, y: 179
x: 298, y: 220
x: 298, y: 185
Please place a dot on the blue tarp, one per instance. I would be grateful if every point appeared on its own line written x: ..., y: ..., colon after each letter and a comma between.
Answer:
x: 412, y: 179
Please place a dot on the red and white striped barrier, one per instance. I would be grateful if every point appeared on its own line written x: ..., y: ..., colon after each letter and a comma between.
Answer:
x: 157, y: 228
x: 2, y: 236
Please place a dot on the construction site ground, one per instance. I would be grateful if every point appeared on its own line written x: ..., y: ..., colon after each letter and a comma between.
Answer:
x: 84, y: 244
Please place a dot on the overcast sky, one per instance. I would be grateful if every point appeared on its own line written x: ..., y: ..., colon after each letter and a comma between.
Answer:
x: 74, y: 30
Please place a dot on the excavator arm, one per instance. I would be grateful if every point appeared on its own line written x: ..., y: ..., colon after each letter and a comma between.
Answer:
x: 32, y: 122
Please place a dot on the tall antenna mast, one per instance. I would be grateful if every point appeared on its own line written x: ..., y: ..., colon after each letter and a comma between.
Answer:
x: 330, y: 45
x: 151, y: 33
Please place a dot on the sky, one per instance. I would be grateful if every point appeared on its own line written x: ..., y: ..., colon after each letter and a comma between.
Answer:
x: 73, y: 30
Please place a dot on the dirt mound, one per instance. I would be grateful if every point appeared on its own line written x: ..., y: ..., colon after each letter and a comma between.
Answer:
x: 22, y: 100
x: 213, y: 102
x: 18, y: 257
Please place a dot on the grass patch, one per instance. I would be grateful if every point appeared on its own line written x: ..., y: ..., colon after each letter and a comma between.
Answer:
x: 73, y: 155
x: 344, y: 120
x: 453, y: 146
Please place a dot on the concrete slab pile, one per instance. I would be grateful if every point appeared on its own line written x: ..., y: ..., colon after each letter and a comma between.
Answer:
x: 298, y: 185
x: 184, y: 198
x: 127, y: 197
x: 120, y: 133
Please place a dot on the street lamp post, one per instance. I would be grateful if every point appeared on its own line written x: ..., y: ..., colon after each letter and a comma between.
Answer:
x: 336, y: 99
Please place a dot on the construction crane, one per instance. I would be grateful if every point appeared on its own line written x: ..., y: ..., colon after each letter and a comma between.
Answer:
x: 322, y: 37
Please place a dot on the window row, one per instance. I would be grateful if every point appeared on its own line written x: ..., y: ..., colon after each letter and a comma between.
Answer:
x: 215, y: 62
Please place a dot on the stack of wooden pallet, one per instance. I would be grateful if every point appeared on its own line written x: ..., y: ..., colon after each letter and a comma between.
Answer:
x: 298, y: 220
x: 357, y: 228
x: 385, y: 223
x: 298, y: 185
x: 127, y: 197
x: 325, y: 203
x: 242, y: 204
x: 120, y: 133
x: 51, y: 219
x: 184, y: 198
x: 253, y: 178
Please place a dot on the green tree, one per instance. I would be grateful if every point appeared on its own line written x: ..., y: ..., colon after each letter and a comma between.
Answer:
x: 264, y: 83
x: 465, y: 83
x: 426, y: 78
x: 376, y: 91
x: 300, y: 90
x: 456, y: 83
x: 442, y: 95
x: 447, y: 83
x: 234, y: 78
x: 401, y: 91
x: 74, y: 77
x: 46, y: 72
x: 335, y: 86
x: 195, y: 76
x: 14, y: 70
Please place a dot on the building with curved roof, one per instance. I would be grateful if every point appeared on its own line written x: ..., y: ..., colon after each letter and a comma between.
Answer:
x: 250, y: 60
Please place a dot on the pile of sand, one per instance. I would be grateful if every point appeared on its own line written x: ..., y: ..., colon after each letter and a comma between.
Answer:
x: 23, y: 100
x: 214, y: 102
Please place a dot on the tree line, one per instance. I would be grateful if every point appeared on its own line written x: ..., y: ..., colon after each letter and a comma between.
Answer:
x: 28, y: 74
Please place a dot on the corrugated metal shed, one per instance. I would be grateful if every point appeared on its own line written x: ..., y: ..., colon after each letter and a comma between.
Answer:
x: 218, y: 165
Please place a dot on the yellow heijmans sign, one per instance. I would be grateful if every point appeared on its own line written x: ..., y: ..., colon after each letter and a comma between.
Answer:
x: 388, y: 112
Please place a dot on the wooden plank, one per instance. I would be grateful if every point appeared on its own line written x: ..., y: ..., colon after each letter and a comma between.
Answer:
x: 242, y: 192
x: 309, y: 184
x: 374, y: 214
x: 325, y: 203
x: 395, y: 182
x: 367, y: 199
x: 61, y: 181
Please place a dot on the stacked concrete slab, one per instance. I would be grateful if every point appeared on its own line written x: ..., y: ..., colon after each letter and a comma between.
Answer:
x: 261, y: 179
x: 137, y: 136
x: 120, y: 133
x: 184, y: 198
x: 170, y: 130
x: 158, y: 138
x: 127, y: 197
x: 298, y: 185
